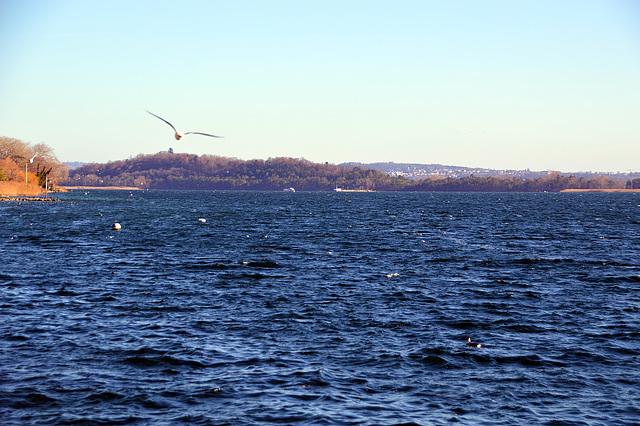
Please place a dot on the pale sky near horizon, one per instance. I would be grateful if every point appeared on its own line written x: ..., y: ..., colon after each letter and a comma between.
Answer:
x: 504, y: 84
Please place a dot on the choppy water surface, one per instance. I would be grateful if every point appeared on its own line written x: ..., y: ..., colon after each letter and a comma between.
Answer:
x: 320, y: 308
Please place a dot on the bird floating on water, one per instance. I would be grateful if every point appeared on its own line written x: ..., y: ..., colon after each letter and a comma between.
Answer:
x: 180, y: 135
x: 475, y: 345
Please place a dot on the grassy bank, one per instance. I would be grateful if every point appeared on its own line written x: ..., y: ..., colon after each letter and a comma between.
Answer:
x: 20, y: 189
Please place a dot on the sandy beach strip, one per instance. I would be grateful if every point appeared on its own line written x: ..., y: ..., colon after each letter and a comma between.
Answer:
x: 125, y: 188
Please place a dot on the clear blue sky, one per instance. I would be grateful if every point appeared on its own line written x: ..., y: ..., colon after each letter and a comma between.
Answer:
x: 541, y: 84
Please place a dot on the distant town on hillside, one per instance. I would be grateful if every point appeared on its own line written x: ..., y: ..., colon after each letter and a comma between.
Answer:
x: 416, y: 171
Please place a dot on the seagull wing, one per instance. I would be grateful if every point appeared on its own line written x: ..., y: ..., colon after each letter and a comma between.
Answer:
x: 203, y: 134
x: 174, y: 129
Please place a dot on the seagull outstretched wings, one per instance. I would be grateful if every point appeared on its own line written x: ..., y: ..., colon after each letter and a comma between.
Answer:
x: 180, y: 135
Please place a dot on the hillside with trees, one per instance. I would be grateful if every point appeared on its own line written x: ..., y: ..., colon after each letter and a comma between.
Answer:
x: 189, y: 171
x: 25, y: 167
x: 167, y: 170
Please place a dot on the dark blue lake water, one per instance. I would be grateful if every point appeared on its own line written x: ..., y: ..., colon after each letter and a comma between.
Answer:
x: 320, y: 308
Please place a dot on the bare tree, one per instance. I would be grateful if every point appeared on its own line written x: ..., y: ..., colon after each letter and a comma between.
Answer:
x: 22, y: 153
x: 11, y: 170
x: 13, y: 148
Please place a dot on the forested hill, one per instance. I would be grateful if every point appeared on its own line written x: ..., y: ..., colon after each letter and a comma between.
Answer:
x: 189, y: 171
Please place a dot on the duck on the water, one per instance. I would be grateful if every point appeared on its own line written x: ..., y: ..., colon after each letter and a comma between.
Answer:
x: 475, y: 345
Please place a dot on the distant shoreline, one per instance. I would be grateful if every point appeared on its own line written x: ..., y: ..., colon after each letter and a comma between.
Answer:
x: 125, y: 188
x: 133, y: 188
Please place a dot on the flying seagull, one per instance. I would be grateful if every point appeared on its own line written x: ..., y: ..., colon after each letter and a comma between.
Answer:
x: 180, y: 135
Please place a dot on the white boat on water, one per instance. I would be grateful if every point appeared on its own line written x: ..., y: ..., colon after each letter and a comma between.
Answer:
x: 353, y: 190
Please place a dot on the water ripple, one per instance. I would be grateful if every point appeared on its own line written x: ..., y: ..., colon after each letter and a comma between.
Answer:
x: 327, y: 308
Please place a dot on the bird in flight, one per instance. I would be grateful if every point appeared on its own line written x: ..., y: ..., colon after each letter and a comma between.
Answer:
x: 180, y: 135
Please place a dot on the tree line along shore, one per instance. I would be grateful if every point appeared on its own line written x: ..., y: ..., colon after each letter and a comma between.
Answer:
x: 32, y: 170
x: 29, y: 169
x: 166, y: 170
